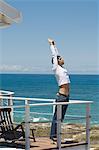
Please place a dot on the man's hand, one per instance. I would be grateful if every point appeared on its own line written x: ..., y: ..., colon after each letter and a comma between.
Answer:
x: 51, y: 42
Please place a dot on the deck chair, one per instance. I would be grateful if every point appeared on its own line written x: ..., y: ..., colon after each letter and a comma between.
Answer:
x: 7, y: 129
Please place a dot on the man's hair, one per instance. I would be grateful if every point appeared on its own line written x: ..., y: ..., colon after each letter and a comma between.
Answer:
x: 53, y: 42
x: 58, y: 56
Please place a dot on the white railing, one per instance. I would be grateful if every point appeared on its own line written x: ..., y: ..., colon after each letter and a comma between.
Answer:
x: 7, y: 93
x: 27, y: 116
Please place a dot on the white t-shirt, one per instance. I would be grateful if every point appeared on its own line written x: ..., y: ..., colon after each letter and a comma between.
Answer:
x: 60, y: 72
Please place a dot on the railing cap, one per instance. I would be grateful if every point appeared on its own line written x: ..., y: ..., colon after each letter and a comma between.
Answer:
x: 6, y: 93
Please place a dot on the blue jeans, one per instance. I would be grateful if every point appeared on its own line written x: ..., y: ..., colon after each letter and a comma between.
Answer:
x: 60, y: 98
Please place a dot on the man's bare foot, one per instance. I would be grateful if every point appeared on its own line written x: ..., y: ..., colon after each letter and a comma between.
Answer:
x: 54, y: 140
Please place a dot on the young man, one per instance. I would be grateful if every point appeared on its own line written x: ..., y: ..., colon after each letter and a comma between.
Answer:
x: 63, y: 83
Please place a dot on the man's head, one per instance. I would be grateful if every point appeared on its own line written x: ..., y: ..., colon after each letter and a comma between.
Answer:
x: 60, y: 60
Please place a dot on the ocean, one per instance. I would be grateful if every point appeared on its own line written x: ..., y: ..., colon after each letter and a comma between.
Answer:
x: 82, y: 87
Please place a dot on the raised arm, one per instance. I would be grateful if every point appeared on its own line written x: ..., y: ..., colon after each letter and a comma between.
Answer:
x: 54, y: 53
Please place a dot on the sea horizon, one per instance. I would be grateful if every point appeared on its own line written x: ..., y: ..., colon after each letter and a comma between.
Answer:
x: 47, y: 73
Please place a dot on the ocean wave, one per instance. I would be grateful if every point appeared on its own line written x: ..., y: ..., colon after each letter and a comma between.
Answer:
x: 39, y: 119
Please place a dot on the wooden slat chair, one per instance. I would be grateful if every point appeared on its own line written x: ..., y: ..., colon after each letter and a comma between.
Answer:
x: 7, y: 128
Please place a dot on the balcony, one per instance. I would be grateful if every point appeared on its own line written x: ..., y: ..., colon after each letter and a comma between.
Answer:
x: 44, y: 143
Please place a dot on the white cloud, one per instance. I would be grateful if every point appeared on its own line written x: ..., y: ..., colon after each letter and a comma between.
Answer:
x: 12, y: 68
x: 41, y: 69
x: 23, y: 69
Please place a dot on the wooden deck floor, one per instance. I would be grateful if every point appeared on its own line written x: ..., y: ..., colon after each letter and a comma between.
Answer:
x: 47, y: 144
x: 40, y: 144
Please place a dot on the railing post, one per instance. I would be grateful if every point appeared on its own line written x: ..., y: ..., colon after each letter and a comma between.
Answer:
x: 27, y: 126
x: 1, y: 100
x: 59, y: 127
x: 10, y: 103
x: 88, y: 126
x: 53, y: 107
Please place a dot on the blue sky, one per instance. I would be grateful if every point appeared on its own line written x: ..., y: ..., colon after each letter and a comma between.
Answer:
x: 72, y: 23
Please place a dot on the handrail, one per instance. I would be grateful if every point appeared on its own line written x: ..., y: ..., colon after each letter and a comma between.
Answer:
x: 3, y: 93
x: 29, y: 99
x: 47, y: 104
x: 46, y: 100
